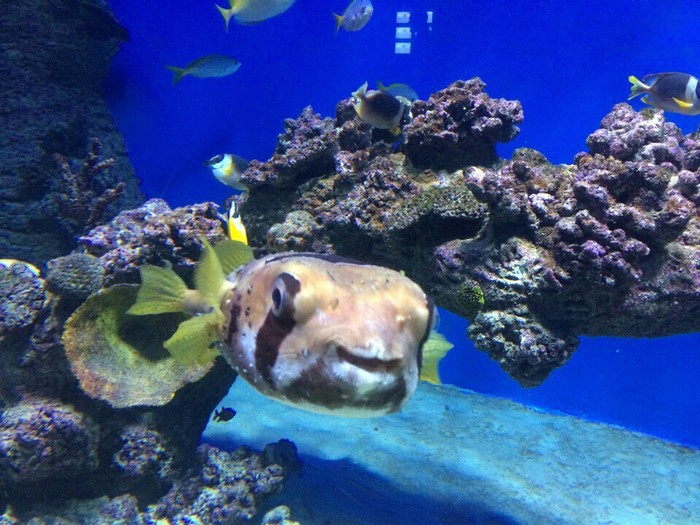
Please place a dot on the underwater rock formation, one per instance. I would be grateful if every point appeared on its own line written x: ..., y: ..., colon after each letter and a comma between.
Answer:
x: 54, y: 60
x: 65, y: 442
x: 608, y: 245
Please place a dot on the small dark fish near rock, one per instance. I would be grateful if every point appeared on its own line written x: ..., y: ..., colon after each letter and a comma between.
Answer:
x: 223, y: 415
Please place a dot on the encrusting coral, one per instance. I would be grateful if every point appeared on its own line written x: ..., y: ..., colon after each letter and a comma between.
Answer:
x: 81, y: 205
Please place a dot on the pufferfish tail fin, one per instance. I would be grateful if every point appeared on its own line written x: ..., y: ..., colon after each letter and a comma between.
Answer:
x: 434, y: 349
x: 638, y: 87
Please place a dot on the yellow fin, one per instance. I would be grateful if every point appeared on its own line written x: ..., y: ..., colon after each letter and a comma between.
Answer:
x: 178, y: 72
x: 338, y: 21
x: 192, y: 342
x: 161, y: 291
x: 682, y: 103
x: 232, y: 254
x: 638, y: 87
x: 209, y: 277
x: 434, y: 350
x: 395, y: 130
x: 226, y: 14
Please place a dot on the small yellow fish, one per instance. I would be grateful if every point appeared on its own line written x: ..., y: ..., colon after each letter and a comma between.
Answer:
x: 228, y: 168
x: 674, y: 92
x: 253, y: 11
x: 236, y: 228
x: 210, y: 66
x: 378, y: 108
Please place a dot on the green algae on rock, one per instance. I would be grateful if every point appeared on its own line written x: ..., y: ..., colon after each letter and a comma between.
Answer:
x: 120, y: 358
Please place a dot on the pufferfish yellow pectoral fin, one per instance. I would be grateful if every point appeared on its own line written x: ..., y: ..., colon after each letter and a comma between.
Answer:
x: 192, y: 342
x: 232, y: 254
x: 434, y: 349
x: 682, y: 103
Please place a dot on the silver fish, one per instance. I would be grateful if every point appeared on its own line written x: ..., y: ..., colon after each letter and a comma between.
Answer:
x: 355, y: 16
x: 209, y: 66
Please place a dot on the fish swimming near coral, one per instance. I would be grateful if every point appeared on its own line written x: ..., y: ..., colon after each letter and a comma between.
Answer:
x: 253, y: 11
x: 223, y: 415
x: 227, y: 169
x: 209, y: 66
x: 378, y: 109
x: 674, y: 92
x: 234, y: 224
x: 355, y: 16
x: 318, y: 332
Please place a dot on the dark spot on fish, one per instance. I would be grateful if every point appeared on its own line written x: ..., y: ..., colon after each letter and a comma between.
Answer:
x: 247, y: 311
x: 277, y: 326
x: 234, y: 313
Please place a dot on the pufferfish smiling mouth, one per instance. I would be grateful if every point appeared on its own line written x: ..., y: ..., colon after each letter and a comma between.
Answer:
x: 319, y: 332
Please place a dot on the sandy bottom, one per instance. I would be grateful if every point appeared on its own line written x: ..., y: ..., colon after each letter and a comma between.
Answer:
x: 454, y: 457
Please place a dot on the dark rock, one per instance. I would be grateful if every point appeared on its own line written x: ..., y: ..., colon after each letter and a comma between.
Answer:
x: 53, y: 61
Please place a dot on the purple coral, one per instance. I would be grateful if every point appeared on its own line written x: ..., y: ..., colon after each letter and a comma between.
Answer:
x: 43, y: 439
x: 460, y: 125
x: 304, y: 150
x: 227, y: 489
x: 151, y: 233
x: 21, y: 297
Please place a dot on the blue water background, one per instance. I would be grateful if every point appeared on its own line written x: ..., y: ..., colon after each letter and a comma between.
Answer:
x: 567, y: 62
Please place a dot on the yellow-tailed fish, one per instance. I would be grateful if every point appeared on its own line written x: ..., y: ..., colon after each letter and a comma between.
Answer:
x: 210, y: 66
x: 253, y: 11
x: 227, y: 169
x: 318, y: 332
x: 235, y: 226
x: 674, y: 92
x: 379, y: 109
x: 355, y: 16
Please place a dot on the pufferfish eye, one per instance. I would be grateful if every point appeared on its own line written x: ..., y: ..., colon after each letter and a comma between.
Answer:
x: 284, y: 289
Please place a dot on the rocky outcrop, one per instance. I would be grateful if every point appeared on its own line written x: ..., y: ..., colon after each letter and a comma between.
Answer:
x: 53, y: 61
x: 609, y: 245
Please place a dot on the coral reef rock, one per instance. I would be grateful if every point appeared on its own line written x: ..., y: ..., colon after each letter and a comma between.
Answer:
x: 55, y: 180
x: 533, y: 254
x: 67, y: 454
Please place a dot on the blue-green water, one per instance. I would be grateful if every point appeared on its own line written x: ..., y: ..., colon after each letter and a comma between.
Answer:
x: 567, y: 62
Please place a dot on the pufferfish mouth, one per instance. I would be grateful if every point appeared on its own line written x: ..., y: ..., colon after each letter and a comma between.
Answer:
x: 370, y: 364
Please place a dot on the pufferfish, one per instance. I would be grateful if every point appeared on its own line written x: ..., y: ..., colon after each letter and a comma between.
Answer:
x: 318, y: 332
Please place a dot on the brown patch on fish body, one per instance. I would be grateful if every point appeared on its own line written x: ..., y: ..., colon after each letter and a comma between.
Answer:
x: 327, y: 334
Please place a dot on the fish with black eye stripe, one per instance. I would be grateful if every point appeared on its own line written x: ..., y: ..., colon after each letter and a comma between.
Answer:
x: 319, y: 332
